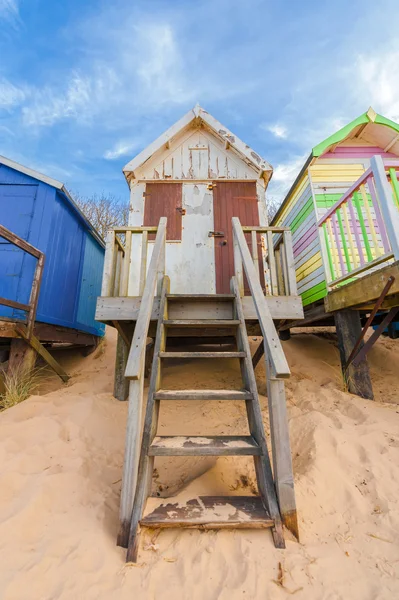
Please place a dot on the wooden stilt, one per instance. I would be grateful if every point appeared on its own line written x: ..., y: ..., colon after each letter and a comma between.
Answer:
x: 121, y: 384
x: 357, y: 378
x: 22, y: 356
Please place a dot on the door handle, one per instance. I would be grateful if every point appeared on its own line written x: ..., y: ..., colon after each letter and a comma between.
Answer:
x: 216, y: 234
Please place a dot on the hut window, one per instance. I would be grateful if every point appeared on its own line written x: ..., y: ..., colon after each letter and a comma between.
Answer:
x: 164, y: 200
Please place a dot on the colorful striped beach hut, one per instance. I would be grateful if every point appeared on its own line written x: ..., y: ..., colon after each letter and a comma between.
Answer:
x: 343, y: 211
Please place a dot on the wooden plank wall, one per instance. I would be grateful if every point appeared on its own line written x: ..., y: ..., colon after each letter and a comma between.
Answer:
x: 326, y: 181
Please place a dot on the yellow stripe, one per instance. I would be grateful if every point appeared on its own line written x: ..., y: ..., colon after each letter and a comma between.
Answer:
x: 307, y: 268
x: 370, y: 220
x: 295, y: 194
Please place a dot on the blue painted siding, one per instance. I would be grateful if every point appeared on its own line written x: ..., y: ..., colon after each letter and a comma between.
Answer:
x: 45, y: 217
x: 91, y: 278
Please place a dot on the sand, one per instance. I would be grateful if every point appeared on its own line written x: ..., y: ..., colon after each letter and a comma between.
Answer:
x: 61, y: 454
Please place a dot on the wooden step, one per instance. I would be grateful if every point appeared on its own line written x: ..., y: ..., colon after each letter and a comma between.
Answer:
x: 201, y: 297
x: 201, y: 322
x: 202, y: 355
x: 211, y: 512
x: 197, y: 445
x: 203, y: 395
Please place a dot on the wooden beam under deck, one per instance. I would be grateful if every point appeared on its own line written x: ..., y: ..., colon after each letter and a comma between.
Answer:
x: 127, y: 309
x: 364, y: 291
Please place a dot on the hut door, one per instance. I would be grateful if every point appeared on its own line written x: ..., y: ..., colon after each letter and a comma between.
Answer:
x: 164, y: 200
x: 231, y: 199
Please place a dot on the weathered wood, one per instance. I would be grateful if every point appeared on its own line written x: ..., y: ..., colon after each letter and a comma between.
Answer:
x: 137, y: 350
x: 238, y: 268
x: 127, y: 257
x: 349, y: 329
x: 143, y: 262
x: 259, y: 352
x: 281, y: 451
x: 262, y: 464
x: 34, y: 295
x: 211, y: 512
x: 280, y: 276
x: 117, y: 272
x: 203, y: 395
x: 200, y: 297
x: 22, y: 357
x: 272, y: 264
x: 220, y: 354
x: 121, y: 384
x: 146, y: 462
x: 277, y: 358
x: 127, y: 309
x: 14, y: 304
x: 364, y: 290
x: 108, y: 272
x: 200, y: 322
x: 41, y: 350
x: 135, y: 465
x: 255, y: 258
x: 17, y: 241
x: 229, y: 445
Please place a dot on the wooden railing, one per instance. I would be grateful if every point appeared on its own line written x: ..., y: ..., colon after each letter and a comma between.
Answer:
x: 276, y: 366
x: 276, y: 260
x: 117, y: 261
x: 31, y: 307
x: 243, y: 262
x: 361, y: 231
x: 135, y: 372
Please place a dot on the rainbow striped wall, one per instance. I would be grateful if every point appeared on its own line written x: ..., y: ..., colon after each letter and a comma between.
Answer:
x: 325, y: 181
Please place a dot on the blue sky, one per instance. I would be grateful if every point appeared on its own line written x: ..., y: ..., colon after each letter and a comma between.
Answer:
x: 84, y: 86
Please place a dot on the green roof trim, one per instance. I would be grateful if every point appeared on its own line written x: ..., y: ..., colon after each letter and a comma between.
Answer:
x: 380, y: 120
x: 340, y: 135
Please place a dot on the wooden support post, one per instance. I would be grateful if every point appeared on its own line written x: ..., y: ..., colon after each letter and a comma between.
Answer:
x: 43, y: 352
x: 22, y: 356
x: 349, y: 329
x: 121, y: 384
x: 281, y: 451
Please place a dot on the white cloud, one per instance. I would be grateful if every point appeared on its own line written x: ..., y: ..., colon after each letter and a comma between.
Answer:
x: 121, y: 148
x: 9, y: 9
x: 10, y: 95
x: 278, y: 130
x: 378, y: 78
x: 81, y: 99
x: 160, y: 66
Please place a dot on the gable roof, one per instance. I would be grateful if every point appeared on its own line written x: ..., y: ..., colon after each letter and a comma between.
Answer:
x: 12, y: 164
x: 199, y: 115
x: 353, y: 130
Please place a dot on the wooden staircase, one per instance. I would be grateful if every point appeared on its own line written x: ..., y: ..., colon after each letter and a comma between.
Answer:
x: 216, y: 318
x: 205, y: 512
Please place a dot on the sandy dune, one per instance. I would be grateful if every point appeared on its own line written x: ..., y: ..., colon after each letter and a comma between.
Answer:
x: 61, y: 455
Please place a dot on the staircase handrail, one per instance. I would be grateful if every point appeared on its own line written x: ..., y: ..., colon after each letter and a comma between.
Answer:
x: 271, y: 340
x: 156, y: 271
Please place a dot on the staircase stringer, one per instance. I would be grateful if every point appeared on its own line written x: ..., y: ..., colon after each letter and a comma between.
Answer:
x: 146, y: 463
x: 262, y: 463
